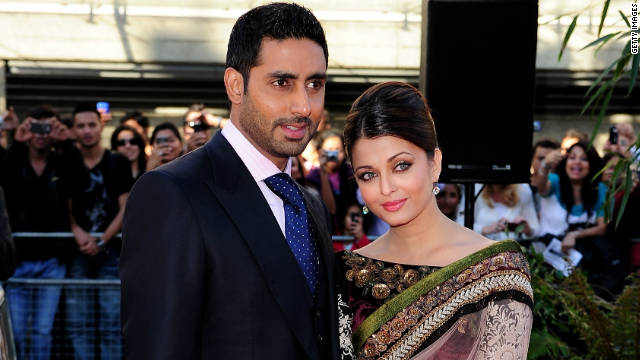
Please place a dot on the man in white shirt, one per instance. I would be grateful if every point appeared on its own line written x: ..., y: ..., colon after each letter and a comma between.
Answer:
x: 224, y: 257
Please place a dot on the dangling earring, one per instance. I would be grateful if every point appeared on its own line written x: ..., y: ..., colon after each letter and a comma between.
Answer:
x: 436, y: 189
x: 365, y: 210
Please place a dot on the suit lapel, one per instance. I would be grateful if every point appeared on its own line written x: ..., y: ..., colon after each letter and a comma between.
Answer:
x: 238, y: 193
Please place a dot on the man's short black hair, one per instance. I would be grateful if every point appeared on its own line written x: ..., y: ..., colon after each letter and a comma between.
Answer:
x: 84, y: 107
x: 137, y: 116
x: 279, y: 21
x: 43, y: 112
x: 547, y: 144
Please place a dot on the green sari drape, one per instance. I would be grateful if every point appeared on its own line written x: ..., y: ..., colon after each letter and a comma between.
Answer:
x: 453, y: 312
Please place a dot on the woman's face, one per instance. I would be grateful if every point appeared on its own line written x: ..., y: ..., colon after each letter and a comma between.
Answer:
x: 448, y: 200
x: 169, y: 145
x: 127, y: 146
x: 577, y: 164
x: 395, y: 177
x: 333, y: 144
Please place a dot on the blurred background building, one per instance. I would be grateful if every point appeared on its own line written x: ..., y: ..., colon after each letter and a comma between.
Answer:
x: 160, y: 56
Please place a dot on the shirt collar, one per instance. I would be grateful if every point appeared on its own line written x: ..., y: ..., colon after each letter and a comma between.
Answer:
x: 259, y: 166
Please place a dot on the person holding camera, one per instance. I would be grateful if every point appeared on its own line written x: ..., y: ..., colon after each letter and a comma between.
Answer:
x: 41, y: 168
x: 332, y: 177
x: 352, y: 225
x: 198, y: 126
x: 506, y: 211
x: 167, y: 145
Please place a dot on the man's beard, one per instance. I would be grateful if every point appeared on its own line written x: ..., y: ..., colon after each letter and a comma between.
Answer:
x: 261, y: 132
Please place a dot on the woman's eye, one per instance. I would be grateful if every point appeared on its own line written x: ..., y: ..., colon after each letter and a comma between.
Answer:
x: 403, y: 165
x: 366, y: 176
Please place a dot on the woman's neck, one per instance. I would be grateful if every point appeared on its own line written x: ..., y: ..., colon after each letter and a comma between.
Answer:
x: 134, y: 168
x: 577, y: 192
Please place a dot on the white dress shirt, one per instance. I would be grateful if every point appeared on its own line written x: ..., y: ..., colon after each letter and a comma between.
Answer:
x: 260, y: 168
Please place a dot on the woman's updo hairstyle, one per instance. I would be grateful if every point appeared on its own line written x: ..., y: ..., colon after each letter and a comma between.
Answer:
x: 395, y: 109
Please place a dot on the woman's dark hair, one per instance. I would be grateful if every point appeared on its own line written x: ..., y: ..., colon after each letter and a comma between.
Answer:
x: 138, y: 117
x: 277, y: 21
x: 137, y: 141
x: 394, y: 109
x: 589, y: 186
x: 165, y: 126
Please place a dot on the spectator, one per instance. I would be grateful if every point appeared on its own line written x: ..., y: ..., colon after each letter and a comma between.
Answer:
x: 572, y: 209
x: 198, y: 126
x: 98, y: 206
x: 624, y: 141
x: 547, y: 154
x: 140, y: 124
x: 299, y: 173
x: 571, y: 137
x: 167, y: 145
x: 128, y: 142
x: 7, y: 247
x: 334, y: 177
x: 449, y: 202
x: 501, y: 209
x: 41, y: 168
x: 8, y: 122
x: 352, y: 225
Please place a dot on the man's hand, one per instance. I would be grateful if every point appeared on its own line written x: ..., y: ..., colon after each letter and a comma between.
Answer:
x: 59, y: 132
x: 553, y: 158
x: 87, y: 244
x: 23, y: 132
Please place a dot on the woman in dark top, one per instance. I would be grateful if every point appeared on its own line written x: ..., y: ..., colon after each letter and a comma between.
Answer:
x: 128, y: 142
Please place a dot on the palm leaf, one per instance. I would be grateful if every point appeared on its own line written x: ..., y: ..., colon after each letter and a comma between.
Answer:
x: 602, y: 75
x: 567, y: 36
x: 602, y: 40
x: 634, y: 73
x: 624, y: 17
x: 627, y: 192
x: 595, y: 96
x: 605, y: 10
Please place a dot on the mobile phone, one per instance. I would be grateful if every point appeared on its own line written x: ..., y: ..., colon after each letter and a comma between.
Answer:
x: 512, y: 226
x: 40, y: 128
x: 613, y: 135
x: 162, y: 140
x: 355, y: 217
x: 332, y: 155
x: 102, y: 107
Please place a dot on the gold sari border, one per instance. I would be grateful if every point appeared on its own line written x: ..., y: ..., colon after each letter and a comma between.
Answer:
x: 388, y: 310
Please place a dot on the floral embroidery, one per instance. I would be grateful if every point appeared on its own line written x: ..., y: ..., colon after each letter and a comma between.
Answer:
x: 344, y: 329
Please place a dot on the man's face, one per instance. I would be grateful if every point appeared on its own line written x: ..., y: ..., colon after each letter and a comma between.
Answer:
x: 39, y: 141
x: 283, y: 104
x: 87, y: 128
x: 538, y: 156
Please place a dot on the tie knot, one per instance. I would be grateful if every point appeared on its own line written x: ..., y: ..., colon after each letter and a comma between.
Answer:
x: 283, y: 185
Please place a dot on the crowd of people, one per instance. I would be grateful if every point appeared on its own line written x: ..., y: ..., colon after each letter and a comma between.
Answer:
x: 565, y: 200
x: 57, y: 176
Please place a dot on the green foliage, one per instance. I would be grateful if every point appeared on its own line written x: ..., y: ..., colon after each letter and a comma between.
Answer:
x: 626, y: 66
x: 571, y: 322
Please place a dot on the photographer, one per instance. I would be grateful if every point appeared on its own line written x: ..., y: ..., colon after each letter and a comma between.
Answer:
x: 352, y: 225
x: 167, y: 145
x: 198, y: 126
x: 334, y: 177
x: 42, y: 167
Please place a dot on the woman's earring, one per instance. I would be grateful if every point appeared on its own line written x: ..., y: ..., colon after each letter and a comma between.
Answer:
x: 365, y: 210
x: 436, y: 189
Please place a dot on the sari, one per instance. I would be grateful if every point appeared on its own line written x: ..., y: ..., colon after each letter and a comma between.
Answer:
x: 479, y: 307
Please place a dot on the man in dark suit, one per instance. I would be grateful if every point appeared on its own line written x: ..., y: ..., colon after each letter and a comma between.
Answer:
x: 224, y: 256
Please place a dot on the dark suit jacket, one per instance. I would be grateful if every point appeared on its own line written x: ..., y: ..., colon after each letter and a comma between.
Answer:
x: 207, y: 274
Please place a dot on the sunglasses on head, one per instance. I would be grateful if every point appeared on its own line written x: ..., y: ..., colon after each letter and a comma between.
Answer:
x: 123, y: 142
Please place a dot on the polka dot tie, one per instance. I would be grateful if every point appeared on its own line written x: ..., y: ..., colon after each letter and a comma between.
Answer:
x: 297, y: 226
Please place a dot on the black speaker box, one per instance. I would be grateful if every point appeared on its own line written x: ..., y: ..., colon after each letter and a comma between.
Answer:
x: 479, y: 81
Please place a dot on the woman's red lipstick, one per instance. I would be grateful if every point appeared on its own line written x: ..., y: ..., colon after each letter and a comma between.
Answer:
x: 394, y: 205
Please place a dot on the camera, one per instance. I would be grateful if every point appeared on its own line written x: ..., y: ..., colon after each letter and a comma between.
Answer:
x: 40, y: 128
x: 162, y: 140
x: 200, y: 124
x: 332, y: 155
x: 355, y: 217
x: 613, y: 135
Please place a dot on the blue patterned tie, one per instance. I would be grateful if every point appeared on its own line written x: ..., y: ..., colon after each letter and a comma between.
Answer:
x: 297, y: 226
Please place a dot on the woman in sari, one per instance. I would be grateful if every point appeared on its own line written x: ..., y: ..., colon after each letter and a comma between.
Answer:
x: 428, y: 288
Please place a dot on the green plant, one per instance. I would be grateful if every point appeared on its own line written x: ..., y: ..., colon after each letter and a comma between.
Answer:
x: 599, y: 95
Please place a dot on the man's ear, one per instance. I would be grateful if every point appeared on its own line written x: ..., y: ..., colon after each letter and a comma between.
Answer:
x: 234, y: 84
x: 436, y: 165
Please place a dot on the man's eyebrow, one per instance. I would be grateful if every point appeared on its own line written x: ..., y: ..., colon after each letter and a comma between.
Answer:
x: 317, y: 76
x: 283, y: 75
